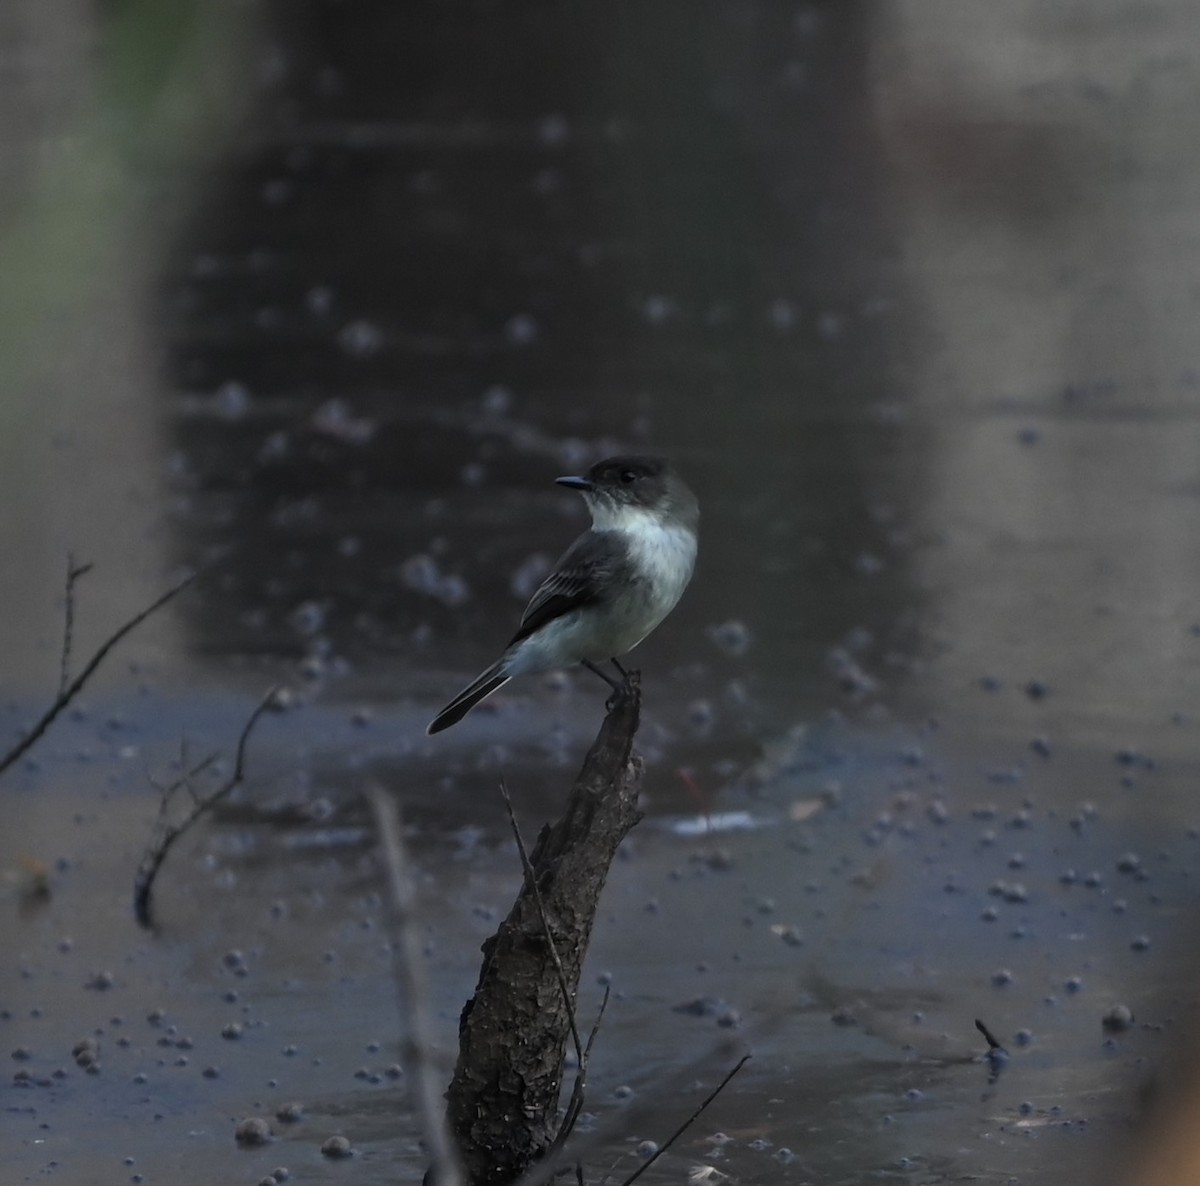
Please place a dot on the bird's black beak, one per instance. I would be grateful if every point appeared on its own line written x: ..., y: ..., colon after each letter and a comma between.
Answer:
x: 575, y: 483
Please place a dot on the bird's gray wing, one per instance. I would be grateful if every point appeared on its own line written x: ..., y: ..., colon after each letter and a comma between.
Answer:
x: 585, y: 570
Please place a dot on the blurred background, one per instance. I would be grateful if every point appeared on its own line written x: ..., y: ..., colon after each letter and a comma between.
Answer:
x: 319, y: 297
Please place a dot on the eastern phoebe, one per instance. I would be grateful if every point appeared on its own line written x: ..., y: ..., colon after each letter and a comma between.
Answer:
x: 611, y: 587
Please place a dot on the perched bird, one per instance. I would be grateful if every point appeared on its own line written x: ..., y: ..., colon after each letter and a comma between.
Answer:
x: 611, y: 587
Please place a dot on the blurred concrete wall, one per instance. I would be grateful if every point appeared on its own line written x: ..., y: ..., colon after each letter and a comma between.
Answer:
x: 1046, y: 174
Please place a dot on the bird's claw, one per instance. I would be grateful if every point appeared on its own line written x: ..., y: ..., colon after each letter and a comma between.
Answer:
x: 622, y: 692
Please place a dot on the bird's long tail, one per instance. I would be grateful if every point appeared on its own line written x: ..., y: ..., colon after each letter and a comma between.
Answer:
x: 479, y: 689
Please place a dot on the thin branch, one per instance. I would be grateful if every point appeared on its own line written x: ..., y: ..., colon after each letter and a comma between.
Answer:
x: 67, y: 694
x: 988, y: 1036
x: 996, y: 1056
x: 183, y: 782
x: 414, y: 994
x: 73, y: 574
x: 143, y: 882
x: 587, y: 1050
x: 239, y: 764
x: 531, y: 881
x: 712, y: 1095
x: 618, y: 1120
x: 616, y: 1161
x: 575, y: 1104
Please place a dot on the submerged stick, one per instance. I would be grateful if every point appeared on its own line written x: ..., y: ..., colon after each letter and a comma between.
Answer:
x: 168, y: 833
x: 708, y: 1099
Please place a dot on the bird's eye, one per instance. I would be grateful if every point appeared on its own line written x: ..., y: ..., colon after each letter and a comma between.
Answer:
x: 628, y: 476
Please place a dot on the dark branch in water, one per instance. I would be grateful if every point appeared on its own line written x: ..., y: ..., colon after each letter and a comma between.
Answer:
x: 72, y: 689
x: 619, y: 1122
x: 708, y: 1099
x: 167, y: 833
x: 996, y: 1056
x: 988, y: 1037
x: 73, y: 574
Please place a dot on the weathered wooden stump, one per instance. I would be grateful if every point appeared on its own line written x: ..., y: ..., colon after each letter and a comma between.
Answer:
x: 504, y: 1097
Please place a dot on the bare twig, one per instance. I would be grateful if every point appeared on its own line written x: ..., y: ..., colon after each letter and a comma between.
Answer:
x: 531, y: 881
x: 618, y: 1120
x: 712, y: 1095
x: 72, y: 689
x: 587, y: 1050
x: 414, y: 995
x: 74, y: 572
x: 183, y: 782
x: 996, y: 1056
x: 616, y: 1161
x: 575, y: 1104
x: 168, y: 834
x: 185, y: 779
x: 988, y: 1036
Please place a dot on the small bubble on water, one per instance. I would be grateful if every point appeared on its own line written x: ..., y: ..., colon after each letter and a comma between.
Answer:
x: 497, y: 400
x: 782, y: 315
x: 732, y: 637
x: 336, y: 1147
x: 529, y: 574
x: 319, y: 300
x: 522, y: 329
x: 360, y: 339
x: 1117, y: 1019
x: 231, y: 400
x: 254, y: 1130
x: 553, y: 130
x: 657, y: 309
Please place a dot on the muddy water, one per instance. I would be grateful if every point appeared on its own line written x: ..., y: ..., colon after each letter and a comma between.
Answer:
x: 907, y: 293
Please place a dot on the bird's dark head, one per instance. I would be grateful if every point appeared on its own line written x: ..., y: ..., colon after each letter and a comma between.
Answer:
x: 622, y: 490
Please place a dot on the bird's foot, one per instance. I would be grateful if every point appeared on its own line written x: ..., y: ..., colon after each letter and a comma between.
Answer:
x: 623, y: 691
x: 622, y: 688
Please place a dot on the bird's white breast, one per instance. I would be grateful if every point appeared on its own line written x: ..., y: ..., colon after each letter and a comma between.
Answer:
x: 664, y: 556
